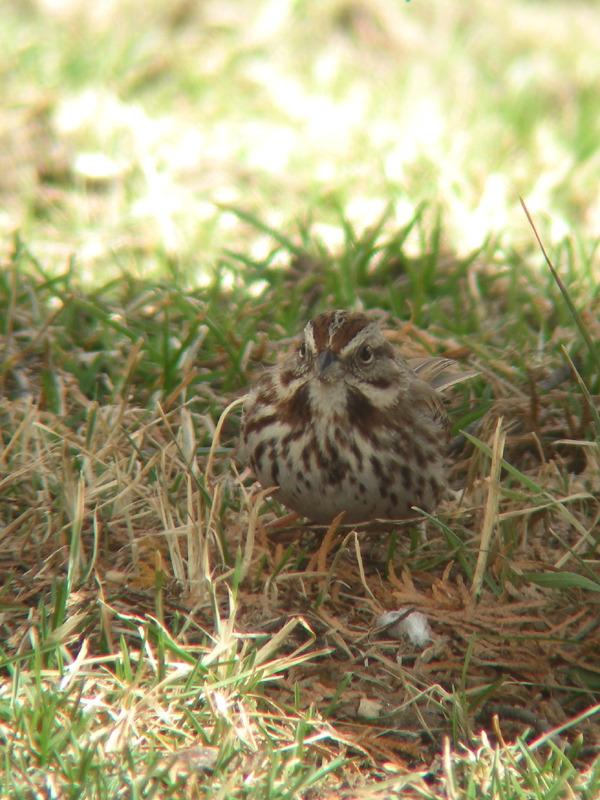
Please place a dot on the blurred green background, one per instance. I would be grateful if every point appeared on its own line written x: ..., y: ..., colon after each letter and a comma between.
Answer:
x: 124, y: 125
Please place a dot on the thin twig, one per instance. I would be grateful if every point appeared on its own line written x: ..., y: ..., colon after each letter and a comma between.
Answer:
x: 491, y: 508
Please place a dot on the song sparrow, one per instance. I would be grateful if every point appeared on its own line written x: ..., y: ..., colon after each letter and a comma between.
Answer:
x: 345, y: 423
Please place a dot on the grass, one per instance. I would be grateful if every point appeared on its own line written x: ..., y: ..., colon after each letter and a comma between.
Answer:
x: 182, y: 188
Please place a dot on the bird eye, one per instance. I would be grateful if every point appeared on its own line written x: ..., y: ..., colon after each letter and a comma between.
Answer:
x: 302, y: 351
x: 366, y: 354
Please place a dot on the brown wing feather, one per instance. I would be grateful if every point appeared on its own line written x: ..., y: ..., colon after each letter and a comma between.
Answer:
x: 434, y: 371
x: 426, y: 399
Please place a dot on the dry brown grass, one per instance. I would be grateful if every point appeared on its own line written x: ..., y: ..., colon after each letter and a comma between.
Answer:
x: 125, y: 542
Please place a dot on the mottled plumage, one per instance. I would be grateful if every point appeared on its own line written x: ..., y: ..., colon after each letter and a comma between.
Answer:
x: 344, y: 423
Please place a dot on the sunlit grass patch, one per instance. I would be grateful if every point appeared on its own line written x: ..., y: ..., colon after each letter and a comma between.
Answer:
x: 134, y: 131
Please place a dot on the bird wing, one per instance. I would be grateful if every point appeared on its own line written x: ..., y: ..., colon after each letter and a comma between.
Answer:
x: 424, y: 398
x: 434, y: 372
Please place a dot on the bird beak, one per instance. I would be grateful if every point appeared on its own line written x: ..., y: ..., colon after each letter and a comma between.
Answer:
x: 325, y: 361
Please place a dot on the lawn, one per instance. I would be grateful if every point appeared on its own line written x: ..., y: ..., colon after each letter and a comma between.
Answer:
x: 182, y: 187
